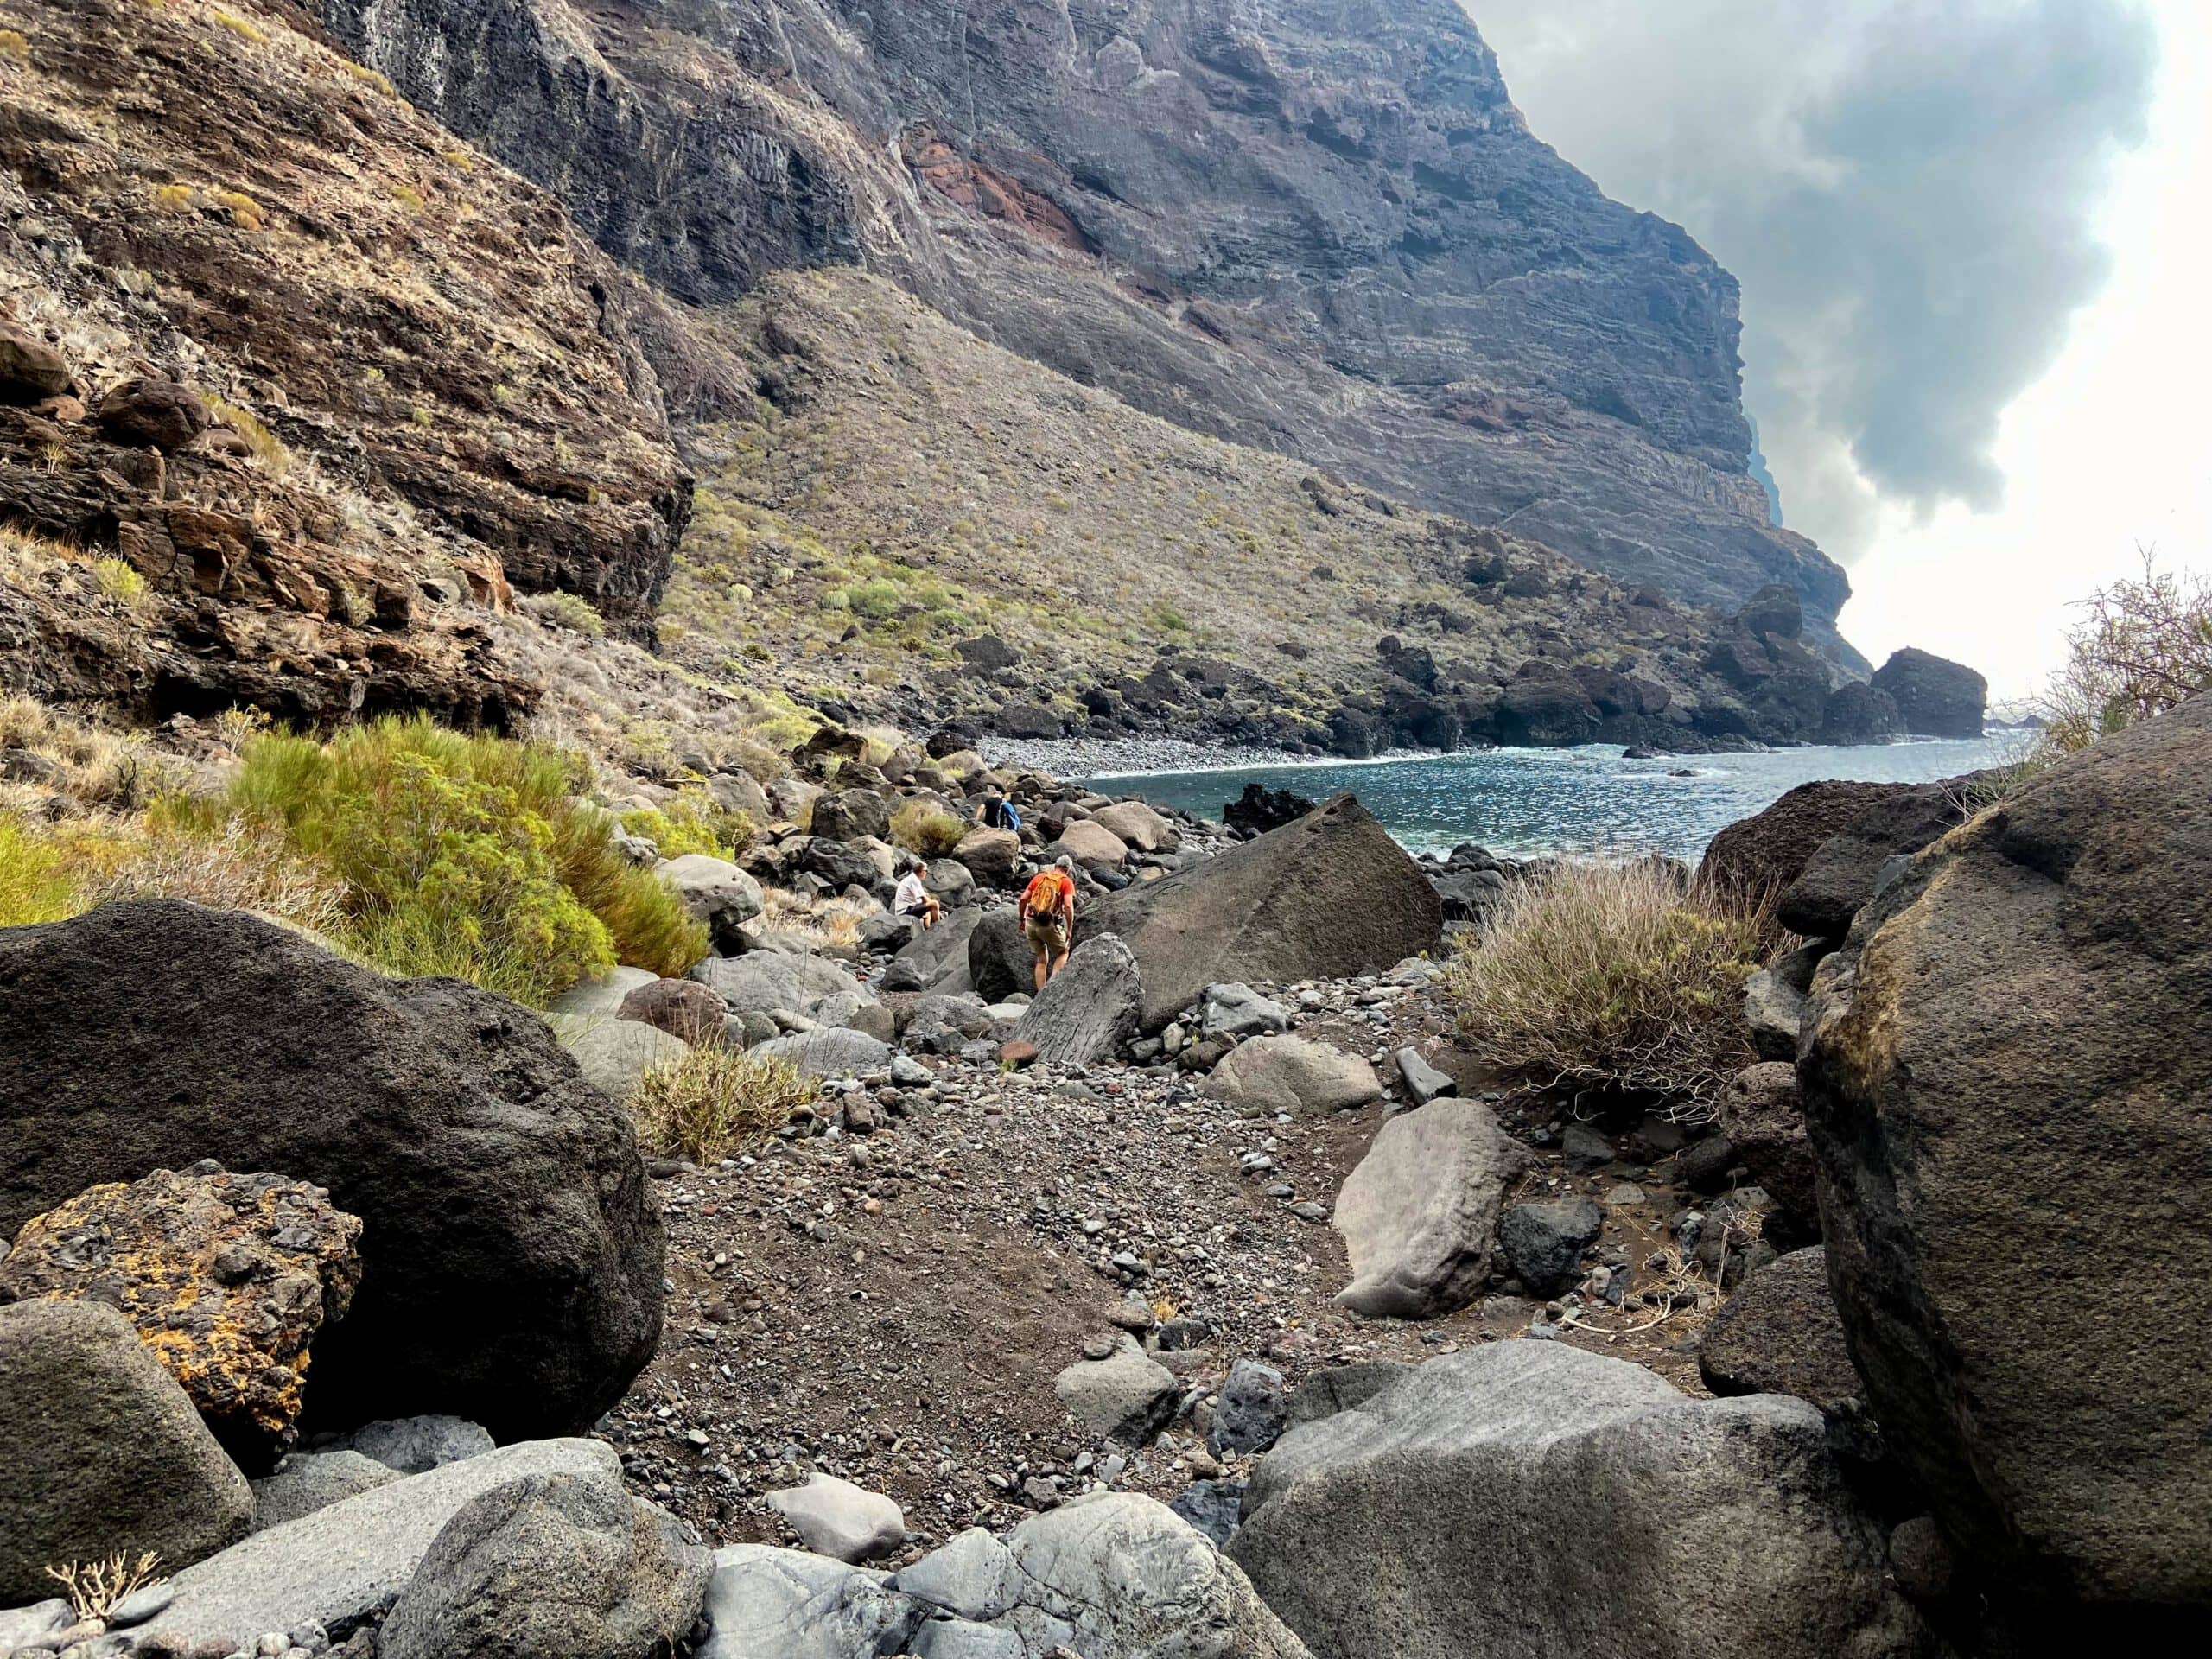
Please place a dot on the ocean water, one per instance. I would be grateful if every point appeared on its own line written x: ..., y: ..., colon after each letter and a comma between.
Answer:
x: 1524, y: 802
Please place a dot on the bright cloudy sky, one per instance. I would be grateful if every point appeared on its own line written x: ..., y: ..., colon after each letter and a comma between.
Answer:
x: 1974, y: 239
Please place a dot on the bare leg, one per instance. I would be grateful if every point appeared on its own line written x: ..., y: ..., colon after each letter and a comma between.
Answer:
x: 1044, y: 972
x: 1059, y: 963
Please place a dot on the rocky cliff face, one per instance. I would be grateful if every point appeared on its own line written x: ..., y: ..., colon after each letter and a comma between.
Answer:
x: 320, y: 384
x: 1317, y: 226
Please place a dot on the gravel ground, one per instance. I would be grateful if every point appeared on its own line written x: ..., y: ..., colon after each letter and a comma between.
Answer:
x: 892, y: 1306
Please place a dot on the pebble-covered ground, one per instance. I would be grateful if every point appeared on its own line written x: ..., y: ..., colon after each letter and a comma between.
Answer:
x: 892, y: 1306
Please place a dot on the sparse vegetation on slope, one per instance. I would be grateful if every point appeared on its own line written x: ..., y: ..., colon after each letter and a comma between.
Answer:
x: 712, y: 1102
x: 2143, y: 647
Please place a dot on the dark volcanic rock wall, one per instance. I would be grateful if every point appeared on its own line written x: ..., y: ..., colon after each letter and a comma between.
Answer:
x: 1316, y: 225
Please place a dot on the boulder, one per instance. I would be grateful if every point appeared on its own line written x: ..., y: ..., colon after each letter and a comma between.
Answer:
x: 1423, y: 1081
x: 1329, y: 896
x: 739, y: 792
x: 510, y: 1261
x: 784, y: 1604
x: 30, y: 370
x: 764, y: 980
x: 27, y: 1628
x: 990, y: 855
x: 1857, y: 713
x: 101, y: 1450
x: 614, y: 1055
x: 1435, y: 1520
x: 1089, y: 841
x: 1773, y: 613
x: 1780, y: 1333
x: 830, y: 1052
x: 1843, y: 871
x: 939, y: 957
x: 1339, y: 1388
x: 346, y: 1561
x: 306, y: 1481
x: 1419, y: 1213
x: 1260, y: 811
x: 1935, y: 696
x: 1544, y: 704
x: 835, y: 1517
x: 1543, y: 1242
x: 227, y: 1279
x: 151, y: 414
x: 1773, y: 1008
x: 1089, y: 1010
x: 851, y: 814
x: 1762, y: 854
x: 684, y: 1008
x: 1138, y: 826
x: 1766, y: 1138
x: 858, y: 1010
x: 715, y: 892
x: 1240, y: 1011
x: 2005, y: 1083
x: 565, y: 1566
x: 414, y: 1445
x: 1214, y: 1508
x: 1127, y: 1396
x: 1292, y: 1074
x: 1250, y: 1411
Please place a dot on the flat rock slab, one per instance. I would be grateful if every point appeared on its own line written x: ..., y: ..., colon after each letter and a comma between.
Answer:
x: 830, y: 1052
x: 1088, y: 1010
x: 1294, y: 1075
x: 341, y: 1563
x: 835, y: 1517
x: 614, y: 1054
x: 1127, y: 1396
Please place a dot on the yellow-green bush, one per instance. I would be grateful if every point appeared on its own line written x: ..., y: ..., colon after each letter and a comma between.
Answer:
x: 712, y: 1101
x: 691, y: 822
x: 1609, y: 979
x: 469, y: 855
x: 35, y: 884
x: 929, y: 830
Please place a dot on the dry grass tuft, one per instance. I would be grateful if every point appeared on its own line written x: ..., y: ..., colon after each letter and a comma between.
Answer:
x: 827, y: 922
x: 714, y: 1102
x: 1610, y: 979
x: 94, y: 1587
x: 926, y: 829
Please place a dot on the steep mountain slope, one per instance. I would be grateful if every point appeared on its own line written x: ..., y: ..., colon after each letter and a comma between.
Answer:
x: 1317, y: 226
x: 317, y: 381
x: 911, y: 525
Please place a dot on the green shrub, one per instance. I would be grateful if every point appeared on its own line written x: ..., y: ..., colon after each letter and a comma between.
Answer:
x: 691, y: 822
x: 1609, y: 978
x: 927, y: 829
x: 567, y: 611
x: 712, y: 1102
x: 469, y: 855
x: 2144, y: 647
x: 877, y: 600
x: 35, y: 885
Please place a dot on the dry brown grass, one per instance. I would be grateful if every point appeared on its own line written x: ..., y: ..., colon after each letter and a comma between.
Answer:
x: 826, y: 921
x: 1611, y: 980
x: 94, y: 1587
x: 238, y: 868
x: 714, y: 1102
x: 97, y: 769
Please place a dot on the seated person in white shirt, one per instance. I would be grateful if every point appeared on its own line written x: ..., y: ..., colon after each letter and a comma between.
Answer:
x: 912, y: 899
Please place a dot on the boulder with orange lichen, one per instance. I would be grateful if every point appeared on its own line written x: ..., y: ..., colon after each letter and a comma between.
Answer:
x: 227, y: 1279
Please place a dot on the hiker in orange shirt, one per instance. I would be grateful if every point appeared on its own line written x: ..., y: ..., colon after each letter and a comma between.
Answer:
x: 1047, y: 918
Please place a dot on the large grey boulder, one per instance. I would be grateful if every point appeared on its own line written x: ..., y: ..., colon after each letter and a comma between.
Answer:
x: 1139, y: 825
x: 1419, y: 1213
x: 1329, y: 895
x: 1234, y: 1010
x: 100, y: 1450
x: 830, y: 1052
x: 715, y: 892
x: 1780, y: 1333
x: 348, y: 1561
x: 1127, y: 1396
x: 938, y: 956
x: 614, y: 1055
x: 510, y: 1261
x: 564, y: 1565
x: 602, y: 996
x: 851, y: 815
x: 1110, y: 1575
x: 1529, y: 1501
x: 1935, y: 696
x: 761, y: 980
x: 835, y: 1517
x: 1295, y: 1074
x: 1088, y: 1010
x: 306, y: 1481
x: 2004, y: 1082
x: 414, y: 1445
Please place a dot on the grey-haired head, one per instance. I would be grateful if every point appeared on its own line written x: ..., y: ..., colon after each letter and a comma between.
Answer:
x: 1064, y: 862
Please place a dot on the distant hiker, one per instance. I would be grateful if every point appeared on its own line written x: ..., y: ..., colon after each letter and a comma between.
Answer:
x: 1047, y: 918
x: 914, y: 900
x: 998, y: 813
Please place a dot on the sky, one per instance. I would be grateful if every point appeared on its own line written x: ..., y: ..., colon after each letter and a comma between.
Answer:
x: 1976, y: 254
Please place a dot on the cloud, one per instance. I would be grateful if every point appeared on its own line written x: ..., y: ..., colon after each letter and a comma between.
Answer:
x: 1908, y: 191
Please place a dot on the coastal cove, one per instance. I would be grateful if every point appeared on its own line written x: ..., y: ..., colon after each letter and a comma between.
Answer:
x: 1526, y: 802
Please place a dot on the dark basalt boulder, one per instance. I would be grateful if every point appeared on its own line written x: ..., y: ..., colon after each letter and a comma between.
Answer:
x: 1769, y: 850
x: 1773, y: 613
x: 1780, y: 1333
x: 2005, y: 1084
x: 1857, y: 713
x: 511, y: 1258
x: 1843, y: 871
x: 1935, y: 696
x: 1259, y: 809
x: 1544, y: 704
x: 1327, y: 896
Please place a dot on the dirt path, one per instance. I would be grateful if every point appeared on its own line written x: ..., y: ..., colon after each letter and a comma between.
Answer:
x: 892, y: 1307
